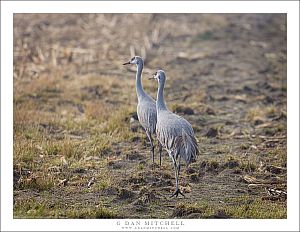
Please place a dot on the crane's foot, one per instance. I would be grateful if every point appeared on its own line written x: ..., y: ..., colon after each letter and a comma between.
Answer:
x: 176, y: 193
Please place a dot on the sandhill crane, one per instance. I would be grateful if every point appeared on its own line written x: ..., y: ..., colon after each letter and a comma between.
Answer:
x: 146, y: 107
x: 174, y: 132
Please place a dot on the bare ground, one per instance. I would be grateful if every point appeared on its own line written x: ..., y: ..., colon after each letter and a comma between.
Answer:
x: 75, y: 122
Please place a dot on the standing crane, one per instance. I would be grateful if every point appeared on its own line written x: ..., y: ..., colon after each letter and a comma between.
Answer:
x: 174, y: 132
x: 146, y: 107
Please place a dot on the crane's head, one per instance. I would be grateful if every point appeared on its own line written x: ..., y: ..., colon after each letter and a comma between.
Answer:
x: 160, y: 76
x: 135, y: 60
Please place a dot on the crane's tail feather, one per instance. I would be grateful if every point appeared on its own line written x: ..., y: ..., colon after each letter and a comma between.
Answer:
x: 191, y: 150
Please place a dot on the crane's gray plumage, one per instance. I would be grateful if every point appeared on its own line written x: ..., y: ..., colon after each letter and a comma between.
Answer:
x: 146, y: 107
x: 176, y: 135
x: 174, y: 132
x: 147, y: 115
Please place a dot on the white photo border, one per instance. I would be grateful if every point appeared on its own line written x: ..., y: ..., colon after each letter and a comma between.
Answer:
x: 8, y: 8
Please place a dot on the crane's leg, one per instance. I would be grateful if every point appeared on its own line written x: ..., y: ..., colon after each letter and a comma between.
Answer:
x: 179, y: 166
x: 160, y: 151
x: 152, y: 146
x: 177, y: 169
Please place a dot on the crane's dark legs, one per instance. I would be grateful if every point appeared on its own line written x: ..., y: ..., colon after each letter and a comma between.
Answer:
x: 179, y: 166
x: 152, y: 146
x: 177, y: 169
x: 160, y: 150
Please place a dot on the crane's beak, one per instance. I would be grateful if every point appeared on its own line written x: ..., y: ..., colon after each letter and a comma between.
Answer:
x: 153, y: 77
x: 126, y: 63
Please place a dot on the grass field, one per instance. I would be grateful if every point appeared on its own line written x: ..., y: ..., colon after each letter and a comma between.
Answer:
x: 75, y: 115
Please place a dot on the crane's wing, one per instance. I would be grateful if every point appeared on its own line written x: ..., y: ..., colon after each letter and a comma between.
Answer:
x: 147, y: 116
x: 177, y: 135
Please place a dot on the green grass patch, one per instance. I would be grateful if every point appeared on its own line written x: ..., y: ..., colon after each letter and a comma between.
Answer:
x: 257, y: 209
x: 91, y: 213
x: 34, y: 209
x: 42, y: 183
x: 239, y: 208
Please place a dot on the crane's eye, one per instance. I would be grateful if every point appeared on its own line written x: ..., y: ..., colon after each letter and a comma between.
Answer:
x: 132, y: 58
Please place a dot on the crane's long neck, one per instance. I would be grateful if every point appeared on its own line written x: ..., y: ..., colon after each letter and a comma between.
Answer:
x: 139, y: 88
x: 160, y: 102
